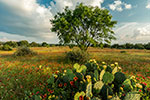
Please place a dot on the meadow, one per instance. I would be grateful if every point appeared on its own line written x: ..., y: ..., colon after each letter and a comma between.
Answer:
x: 18, y: 75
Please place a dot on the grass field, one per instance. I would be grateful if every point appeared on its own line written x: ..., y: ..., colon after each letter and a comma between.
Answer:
x: 20, y: 74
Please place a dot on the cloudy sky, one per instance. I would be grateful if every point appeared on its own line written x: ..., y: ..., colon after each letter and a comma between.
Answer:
x: 29, y: 19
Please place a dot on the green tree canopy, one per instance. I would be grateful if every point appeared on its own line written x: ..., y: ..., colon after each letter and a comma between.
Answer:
x: 84, y: 26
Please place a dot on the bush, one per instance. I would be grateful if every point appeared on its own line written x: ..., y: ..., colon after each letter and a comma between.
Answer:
x: 6, y: 48
x: 76, y: 55
x: 23, y: 51
x: 102, y: 82
x: 123, y: 51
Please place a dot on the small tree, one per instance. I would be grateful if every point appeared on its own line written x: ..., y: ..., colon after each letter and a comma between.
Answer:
x: 84, y: 26
x: 23, y: 43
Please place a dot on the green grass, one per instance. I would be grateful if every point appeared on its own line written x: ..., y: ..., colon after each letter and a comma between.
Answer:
x: 21, y: 74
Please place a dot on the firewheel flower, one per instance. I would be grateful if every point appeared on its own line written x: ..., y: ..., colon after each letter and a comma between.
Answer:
x: 75, y: 78
x: 71, y: 83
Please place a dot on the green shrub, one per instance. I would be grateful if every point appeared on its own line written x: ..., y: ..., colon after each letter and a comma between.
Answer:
x: 123, y: 51
x: 6, y: 48
x: 76, y: 55
x: 23, y: 51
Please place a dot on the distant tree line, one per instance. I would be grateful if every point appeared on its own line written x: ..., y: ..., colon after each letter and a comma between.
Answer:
x: 129, y: 46
x: 15, y: 44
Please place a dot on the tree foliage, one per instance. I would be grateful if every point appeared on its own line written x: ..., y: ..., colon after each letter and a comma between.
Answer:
x: 84, y: 26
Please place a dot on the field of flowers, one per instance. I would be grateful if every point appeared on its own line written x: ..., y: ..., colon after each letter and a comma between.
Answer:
x: 25, y: 76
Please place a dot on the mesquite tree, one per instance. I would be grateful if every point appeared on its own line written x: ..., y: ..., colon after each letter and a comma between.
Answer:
x: 84, y: 26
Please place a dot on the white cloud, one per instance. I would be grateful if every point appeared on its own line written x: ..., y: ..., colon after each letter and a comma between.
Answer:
x: 148, y: 4
x: 29, y: 19
x: 128, y: 6
x: 118, y: 5
x: 133, y: 32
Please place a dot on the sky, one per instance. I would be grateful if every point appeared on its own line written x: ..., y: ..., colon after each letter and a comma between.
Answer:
x: 29, y: 19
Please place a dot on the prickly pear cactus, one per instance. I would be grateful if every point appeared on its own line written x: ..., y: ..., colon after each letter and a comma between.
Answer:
x: 79, y: 68
x: 119, y: 77
x: 108, y: 78
x: 109, y: 69
x: 98, y: 86
x: 127, y: 85
x: 101, y: 74
x: 96, y: 75
x: 115, y: 70
x: 105, y: 92
x: 116, y: 98
x: 89, y: 90
x: 132, y: 96
x: 78, y: 94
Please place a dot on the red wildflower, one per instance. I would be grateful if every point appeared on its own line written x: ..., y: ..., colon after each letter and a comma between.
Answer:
x: 143, y: 83
x: 71, y: 82
x: 148, y: 89
x: 37, y: 92
x: 143, y: 77
x: 123, y: 94
x: 65, y: 84
x: 138, y: 78
x: 51, y: 91
x: 75, y: 78
x: 148, y: 77
x: 81, y: 98
x: 140, y: 90
x: 60, y: 85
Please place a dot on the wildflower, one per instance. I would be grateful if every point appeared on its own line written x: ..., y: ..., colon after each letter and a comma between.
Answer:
x: 139, y: 86
x: 51, y: 91
x: 133, y: 77
x: 123, y: 94
x: 88, y: 77
x: 140, y: 90
x: 75, y: 78
x: 116, y: 63
x: 143, y: 77
x: 104, y: 66
x: 71, y: 83
x: 56, y: 72
x: 55, y: 76
x: 60, y: 85
x: 65, y: 84
x: 148, y: 89
x: 81, y: 98
x: 143, y: 83
x: 40, y: 66
x: 37, y: 92
x: 109, y: 97
x: 112, y: 65
x: 103, y: 63
x: 65, y: 71
x: 121, y: 88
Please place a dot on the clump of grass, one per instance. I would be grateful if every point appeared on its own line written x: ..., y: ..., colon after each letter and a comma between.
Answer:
x: 24, y: 51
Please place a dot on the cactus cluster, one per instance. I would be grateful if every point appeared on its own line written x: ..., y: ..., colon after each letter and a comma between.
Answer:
x: 93, y: 82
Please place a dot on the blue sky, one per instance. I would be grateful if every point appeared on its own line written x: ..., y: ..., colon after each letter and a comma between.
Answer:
x: 29, y: 19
